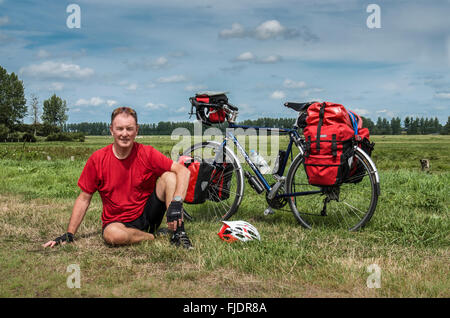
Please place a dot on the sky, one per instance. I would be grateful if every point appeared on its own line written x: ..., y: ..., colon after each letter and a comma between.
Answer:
x: 153, y: 55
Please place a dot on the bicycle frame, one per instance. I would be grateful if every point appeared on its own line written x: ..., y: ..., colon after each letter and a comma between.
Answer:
x: 293, y: 138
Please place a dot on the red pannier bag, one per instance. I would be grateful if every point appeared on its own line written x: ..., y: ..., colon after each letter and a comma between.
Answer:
x: 215, y: 115
x: 329, y: 137
x: 219, y: 189
x: 199, y: 179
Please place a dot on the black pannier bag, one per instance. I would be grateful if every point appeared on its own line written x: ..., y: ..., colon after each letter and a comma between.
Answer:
x: 357, y: 171
x: 220, y: 186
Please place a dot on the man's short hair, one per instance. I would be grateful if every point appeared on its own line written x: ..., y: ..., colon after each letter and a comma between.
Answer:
x: 126, y: 110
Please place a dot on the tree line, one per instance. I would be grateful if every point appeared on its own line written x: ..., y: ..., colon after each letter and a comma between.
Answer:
x: 383, y: 126
x: 53, y: 117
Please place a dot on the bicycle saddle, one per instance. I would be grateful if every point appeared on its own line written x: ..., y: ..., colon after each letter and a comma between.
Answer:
x: 299, y: 107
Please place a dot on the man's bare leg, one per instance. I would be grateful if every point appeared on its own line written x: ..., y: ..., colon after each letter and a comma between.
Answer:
x: 165, y: 189
x: 119, y: 234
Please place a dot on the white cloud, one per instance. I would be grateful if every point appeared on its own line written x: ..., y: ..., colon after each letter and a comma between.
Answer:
x: 43, y: 54
x: 131, y: 87
x: 270, y: 59
x: 172, y: 79
x: 442, y: 95
x: 4, y: 20
x: 128, y: 86
x: 293, y: 84
x: 181, y: 109
x: 147, y: 64
x: 94, y: 101
x: 250, y: 57
x: 385, y: 112
x: 278, y: 95
x: 56, y: 86
x: 269, y: 29
x: 236, y: 31
x: 361, y: 111
x: 245, y: 57
x: 51, y: 69
x: 111, y: 102
x: 153, y: 106
x: 161, y: 62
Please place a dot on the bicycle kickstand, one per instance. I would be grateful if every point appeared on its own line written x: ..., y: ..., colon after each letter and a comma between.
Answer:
x: 324, y: 210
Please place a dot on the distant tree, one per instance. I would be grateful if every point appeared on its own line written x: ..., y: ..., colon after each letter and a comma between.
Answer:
x: 436, y: 125
x: 34, y: 111
x: 407, y: 122
x: 3, y: 132
x: 396, y: 127
x: 386, y: 127
x: 54, y: 111
x: 414, y: 127
x: 429, y: 126
x: 378, y: 126
x: 446, y: 128
x: 12, y: 100
x: 369, y: 124
x: 421, y: 127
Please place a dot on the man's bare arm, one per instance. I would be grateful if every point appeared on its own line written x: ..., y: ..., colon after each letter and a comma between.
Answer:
x: 78, y: 212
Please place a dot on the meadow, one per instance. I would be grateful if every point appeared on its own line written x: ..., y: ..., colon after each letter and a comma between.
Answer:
x: 407, y: 238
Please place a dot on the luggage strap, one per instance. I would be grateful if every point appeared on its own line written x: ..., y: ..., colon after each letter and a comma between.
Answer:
x: 334, y: 145
x: 319, y: 127
x: 354, y: 121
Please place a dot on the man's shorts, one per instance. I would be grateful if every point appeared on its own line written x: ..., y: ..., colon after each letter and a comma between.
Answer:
x: 151, y: 217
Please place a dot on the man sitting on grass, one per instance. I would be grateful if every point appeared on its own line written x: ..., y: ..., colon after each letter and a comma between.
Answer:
x: 136, y: 183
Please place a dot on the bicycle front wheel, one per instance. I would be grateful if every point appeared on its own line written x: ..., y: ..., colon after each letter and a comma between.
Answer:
x: 215, y: 208
x: 349, y: 205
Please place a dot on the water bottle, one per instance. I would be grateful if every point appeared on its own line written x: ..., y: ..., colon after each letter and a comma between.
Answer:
x: 260, y: 162
x: 278, y: 162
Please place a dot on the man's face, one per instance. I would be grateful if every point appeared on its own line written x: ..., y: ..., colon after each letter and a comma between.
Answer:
x: 124, y: 130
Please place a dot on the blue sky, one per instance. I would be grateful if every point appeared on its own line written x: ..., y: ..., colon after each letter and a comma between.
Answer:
x: 154, y: 55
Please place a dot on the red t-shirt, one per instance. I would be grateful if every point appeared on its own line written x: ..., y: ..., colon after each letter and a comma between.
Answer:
x: 124, y: 185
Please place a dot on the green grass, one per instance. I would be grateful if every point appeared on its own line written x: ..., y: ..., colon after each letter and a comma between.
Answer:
x: 408, y: 236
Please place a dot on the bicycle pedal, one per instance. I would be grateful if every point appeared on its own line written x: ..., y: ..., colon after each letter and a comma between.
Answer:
x: 269, y: 211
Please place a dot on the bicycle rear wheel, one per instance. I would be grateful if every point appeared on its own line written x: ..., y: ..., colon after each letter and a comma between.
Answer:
x: 215, y: 209
x: 350, y: 205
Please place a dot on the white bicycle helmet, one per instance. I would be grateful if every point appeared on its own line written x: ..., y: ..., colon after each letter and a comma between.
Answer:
x: 232, y: 231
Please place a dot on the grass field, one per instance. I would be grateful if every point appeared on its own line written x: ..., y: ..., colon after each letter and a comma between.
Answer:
x: 408, y: 238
